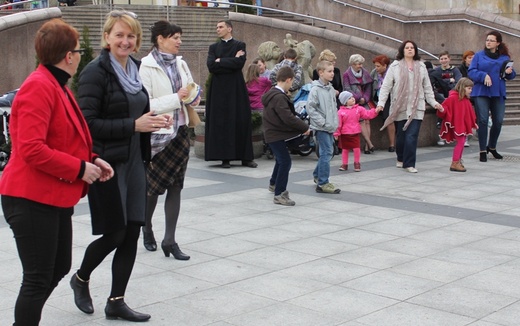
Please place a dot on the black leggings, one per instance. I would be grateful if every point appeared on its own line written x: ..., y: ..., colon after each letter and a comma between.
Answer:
x: 43, y: 237
x: 125, y: 243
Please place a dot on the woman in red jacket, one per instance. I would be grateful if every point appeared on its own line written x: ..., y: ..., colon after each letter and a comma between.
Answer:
x: 49, y: 170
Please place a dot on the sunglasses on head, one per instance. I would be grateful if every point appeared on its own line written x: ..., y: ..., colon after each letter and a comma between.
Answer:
x: 121, y: 13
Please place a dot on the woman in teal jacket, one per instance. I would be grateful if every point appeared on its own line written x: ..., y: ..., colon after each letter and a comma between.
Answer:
x: 488, y: 71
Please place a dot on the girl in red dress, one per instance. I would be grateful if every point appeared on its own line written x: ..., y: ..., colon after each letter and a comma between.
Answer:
x: 458, y: 120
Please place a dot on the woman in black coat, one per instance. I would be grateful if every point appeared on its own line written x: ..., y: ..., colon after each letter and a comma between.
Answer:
x: 117, y: 110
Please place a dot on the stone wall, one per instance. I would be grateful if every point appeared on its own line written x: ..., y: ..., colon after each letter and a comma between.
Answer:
x: 433, y: 30
x: 17, y: 32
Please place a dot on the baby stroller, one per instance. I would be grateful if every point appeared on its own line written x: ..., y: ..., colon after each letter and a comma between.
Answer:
x: 5, y: 110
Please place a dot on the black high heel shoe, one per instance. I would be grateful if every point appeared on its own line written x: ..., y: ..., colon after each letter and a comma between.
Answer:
x: 149, y: 241
x: 494, y: 153
x: 175, y: 251
x: 117, y: 308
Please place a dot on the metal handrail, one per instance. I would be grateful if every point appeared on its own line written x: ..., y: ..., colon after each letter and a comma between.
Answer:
x: 425, y: 20
x: 318, y: 19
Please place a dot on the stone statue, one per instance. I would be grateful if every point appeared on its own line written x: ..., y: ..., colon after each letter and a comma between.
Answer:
x: 306, y: 52
x: 289, y: 41
x: 269, y: 51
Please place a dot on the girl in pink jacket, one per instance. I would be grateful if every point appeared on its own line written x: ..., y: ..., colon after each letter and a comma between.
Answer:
x: 349, y: 128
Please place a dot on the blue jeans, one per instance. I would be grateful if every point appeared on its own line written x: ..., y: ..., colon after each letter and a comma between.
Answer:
x: 483, y: 105
x: 325, y: 142
x: 280, y: 176
x: 406, y: 142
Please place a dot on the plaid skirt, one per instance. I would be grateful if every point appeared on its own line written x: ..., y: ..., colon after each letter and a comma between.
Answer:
x: 168, y: 167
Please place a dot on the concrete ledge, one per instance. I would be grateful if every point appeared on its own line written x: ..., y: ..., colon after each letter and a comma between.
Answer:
x: 27, y: 17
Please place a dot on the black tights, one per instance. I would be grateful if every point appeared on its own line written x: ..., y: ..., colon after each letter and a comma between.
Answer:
x: 172, y: 206
x: 125, y: 244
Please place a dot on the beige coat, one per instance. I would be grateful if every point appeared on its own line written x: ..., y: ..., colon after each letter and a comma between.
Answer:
x: 391, y: 85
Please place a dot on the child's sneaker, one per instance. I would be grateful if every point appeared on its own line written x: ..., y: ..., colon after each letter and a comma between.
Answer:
x: 343, y: 167
x: 327, y: 188
x: 357, y: 167
x: 283, y: 199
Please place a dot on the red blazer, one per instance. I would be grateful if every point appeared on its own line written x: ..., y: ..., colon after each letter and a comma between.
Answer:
x: 49, y: 139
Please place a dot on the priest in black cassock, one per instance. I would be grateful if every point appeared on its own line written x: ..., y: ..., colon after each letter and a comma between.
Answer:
x: 228, y: 112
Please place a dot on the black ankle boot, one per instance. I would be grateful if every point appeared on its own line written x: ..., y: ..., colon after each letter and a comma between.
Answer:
x: 117, y: 308
x: 82, y: 297
x: 175, y: 251
x: 483, y: 157
x: 149, y: 241
x: 494, y: 153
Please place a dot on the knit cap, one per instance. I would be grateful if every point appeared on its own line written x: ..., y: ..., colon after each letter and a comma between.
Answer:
x: 344, y: 96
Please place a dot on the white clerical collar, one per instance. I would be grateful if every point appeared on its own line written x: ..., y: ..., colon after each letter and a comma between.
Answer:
x: 229, y: 39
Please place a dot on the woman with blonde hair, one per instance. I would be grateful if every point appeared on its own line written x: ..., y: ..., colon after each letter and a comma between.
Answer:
x: 117, y: 109
x: 329, y: 56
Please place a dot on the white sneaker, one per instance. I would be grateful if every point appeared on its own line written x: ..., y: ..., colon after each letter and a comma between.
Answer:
x: 411, y: 169
x: 441, y: 142
x: 399, y: 165
x: 466, y: 144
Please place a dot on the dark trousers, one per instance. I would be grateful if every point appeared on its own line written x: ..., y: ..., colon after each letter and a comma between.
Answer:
x: 280, y: 175
x: 406, y: 142
x: 483, y: 106
x: 43, y: 236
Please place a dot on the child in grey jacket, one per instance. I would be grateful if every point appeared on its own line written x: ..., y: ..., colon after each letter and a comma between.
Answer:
x: 323, y: 115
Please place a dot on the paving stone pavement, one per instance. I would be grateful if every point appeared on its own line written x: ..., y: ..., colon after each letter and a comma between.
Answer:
x: 393, y: 248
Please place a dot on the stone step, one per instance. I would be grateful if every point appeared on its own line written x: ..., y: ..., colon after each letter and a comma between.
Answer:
x: 292, y: 18
x: 198, y: 24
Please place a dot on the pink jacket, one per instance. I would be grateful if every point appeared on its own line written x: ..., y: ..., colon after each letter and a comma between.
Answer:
x: 348, y: 119
x: 255, y: 90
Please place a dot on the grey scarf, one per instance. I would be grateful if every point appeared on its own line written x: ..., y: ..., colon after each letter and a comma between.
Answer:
x: 165, y: 61
x: 129, y: 79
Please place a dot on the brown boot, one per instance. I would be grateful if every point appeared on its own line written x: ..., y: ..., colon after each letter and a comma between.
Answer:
x: 457, y: 166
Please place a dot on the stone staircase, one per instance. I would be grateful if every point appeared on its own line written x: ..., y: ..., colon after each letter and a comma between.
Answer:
x: 198, y: 24
x: 291, y: 18
x: 512, y: 116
